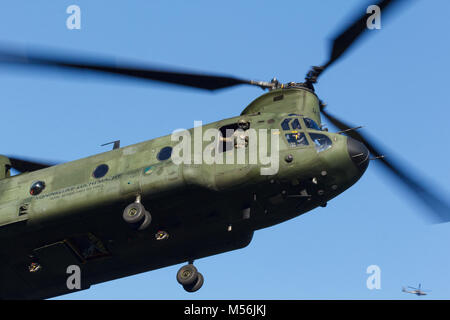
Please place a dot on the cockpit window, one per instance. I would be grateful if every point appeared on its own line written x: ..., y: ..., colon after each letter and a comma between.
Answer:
x: 321, y: 141
x: 311, y: 124
x: 295, y: 124
x: 296, y: 139
x: 285, y: 124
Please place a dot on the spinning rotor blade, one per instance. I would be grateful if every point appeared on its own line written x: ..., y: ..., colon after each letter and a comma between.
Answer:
x: 346, y: 38
x: 23, y: 165
x: 196, y: 80
x: 438, y: 206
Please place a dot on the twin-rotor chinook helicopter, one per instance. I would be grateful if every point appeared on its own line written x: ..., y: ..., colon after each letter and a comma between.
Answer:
x: 132, y: 209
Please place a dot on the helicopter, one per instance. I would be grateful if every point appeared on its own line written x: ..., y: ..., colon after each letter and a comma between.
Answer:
x: 92, y: 211
x: 417, y: 291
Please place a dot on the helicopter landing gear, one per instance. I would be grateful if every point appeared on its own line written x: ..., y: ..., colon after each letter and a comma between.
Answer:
x: 136, y: 215
x: 190, y: 278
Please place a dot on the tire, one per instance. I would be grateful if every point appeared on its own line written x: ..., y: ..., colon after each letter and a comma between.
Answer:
x: 146, y: 222
x: 134, y: 214
x: 197, y: 285
x: 187, y: 275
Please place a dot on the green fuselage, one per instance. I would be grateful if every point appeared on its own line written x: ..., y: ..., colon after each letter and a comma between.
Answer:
x: 204, y: 208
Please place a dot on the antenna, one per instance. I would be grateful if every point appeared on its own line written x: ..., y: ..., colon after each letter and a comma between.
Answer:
x: 115, y: 146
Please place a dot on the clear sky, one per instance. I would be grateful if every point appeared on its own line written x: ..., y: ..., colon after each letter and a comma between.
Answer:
x: 394, y: 82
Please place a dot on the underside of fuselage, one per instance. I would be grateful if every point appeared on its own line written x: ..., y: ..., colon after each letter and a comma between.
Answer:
x: 200, y: 223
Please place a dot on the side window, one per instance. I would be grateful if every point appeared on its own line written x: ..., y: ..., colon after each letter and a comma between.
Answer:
x: 227, y: 137
x: 37, y: 188
x: 100, y: 171
x: 164, y: 154
x: 321, y: 141
x: 296, y: 139
x: 229, y: 133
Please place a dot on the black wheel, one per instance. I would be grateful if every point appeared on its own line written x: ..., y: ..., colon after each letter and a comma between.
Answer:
x: 134, y: 214
x: 197, y: 285
x: 147, y: 220
x: 187, y: 275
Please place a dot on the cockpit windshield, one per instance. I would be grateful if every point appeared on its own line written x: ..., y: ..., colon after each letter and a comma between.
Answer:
x: 296, y: 139
x: 321, y: 141
x: 295, y: 124
x: 285, y: 124
x: 311, y: 124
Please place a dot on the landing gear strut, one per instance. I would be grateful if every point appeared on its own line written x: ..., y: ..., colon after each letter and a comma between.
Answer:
x: 136, y: 215
x: 190, y: 278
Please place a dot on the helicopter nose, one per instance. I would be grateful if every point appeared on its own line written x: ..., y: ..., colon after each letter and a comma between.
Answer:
x: 358, y: 153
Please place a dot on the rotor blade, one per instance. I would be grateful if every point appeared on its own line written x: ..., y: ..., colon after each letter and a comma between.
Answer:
x: 26, y: 165
x: 349, y: 35
x: 196, y: 80
x: 438, y: 206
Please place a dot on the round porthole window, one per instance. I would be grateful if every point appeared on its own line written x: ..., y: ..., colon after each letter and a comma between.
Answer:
x: 164, y: 153
x: 100, y: 171
x: 37, y: 187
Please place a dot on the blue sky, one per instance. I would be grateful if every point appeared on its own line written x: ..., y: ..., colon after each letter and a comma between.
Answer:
x: 394, y: 82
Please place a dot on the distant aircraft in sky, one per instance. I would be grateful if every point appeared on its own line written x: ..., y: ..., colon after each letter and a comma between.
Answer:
x: 417, y: 291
